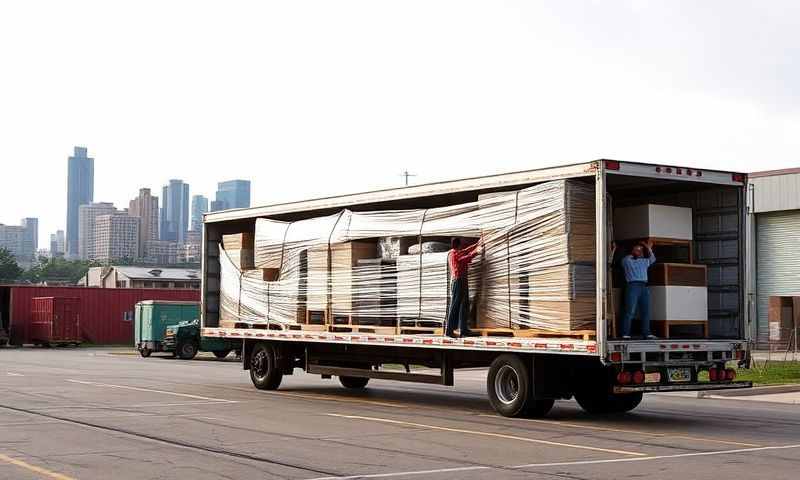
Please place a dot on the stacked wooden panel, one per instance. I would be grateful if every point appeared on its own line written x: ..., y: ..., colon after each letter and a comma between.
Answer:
x: 330, y: 275
x: 375, y: 292
x: 240, y: 249
x: 538, y: 268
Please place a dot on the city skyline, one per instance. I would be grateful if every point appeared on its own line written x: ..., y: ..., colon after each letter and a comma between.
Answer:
x: 498, y: 100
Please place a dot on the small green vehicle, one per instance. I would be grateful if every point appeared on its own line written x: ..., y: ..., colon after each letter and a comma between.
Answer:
x: 184, y: 340
x: 151, y: 319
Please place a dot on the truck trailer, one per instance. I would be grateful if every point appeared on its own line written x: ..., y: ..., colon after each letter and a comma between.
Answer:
x: 529, y: 367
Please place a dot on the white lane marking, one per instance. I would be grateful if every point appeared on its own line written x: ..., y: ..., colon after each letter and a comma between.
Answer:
x: 126, y: 387
x: 336, y: 398
x: 658, y: 457
x: 486, y: 434
x: 558, y: 464
x: 622, y: 430
x: 139, y: 405
x: 12, y: 374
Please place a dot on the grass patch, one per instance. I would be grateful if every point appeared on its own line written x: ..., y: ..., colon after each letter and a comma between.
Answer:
x: 773, y: 373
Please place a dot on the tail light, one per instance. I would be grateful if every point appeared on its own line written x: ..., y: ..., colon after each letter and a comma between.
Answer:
x: 739, y: 354
x: 730, y: 374
x: 713, y: 374
x: 638, y: 377
x: 624, y: 378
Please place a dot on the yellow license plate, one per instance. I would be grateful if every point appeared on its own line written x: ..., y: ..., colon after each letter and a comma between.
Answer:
x: 679, y: 374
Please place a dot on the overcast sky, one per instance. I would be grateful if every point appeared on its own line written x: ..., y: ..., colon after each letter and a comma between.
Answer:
x: 321, y: 97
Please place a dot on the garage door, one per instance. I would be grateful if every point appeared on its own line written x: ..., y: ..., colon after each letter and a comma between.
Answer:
x: 778, y: 261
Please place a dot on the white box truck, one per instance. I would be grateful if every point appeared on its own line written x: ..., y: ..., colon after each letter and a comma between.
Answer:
x: 603, y: 372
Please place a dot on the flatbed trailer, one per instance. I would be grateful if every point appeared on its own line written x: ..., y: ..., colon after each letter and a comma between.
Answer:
x: 526, y: 373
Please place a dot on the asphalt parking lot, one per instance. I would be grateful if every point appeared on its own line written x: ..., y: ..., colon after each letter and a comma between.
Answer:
x: 101, y: 413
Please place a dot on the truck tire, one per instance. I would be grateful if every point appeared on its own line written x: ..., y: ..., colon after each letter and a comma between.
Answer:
x: 356, y: 383
x: 221, y: 353
x: 600, y: 403
x: 264, y: 370
x: 510, y: 389
x: 187, y: 350
x: 145, y: 352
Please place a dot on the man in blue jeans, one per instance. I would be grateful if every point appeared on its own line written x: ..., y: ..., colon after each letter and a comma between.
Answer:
x: 635, y: 267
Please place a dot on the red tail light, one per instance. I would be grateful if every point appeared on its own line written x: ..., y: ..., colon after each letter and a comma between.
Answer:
x: 638, y: 377
x: 712, y: 374
x: 624, y: 378
x: 730, y: 374
x: 615, y: 356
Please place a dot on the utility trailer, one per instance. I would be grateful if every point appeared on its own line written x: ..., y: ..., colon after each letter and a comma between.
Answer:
x: 526, y: 374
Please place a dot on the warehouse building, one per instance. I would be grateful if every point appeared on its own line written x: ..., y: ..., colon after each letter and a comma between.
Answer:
x: 774, y: 231
x: 141, y: 277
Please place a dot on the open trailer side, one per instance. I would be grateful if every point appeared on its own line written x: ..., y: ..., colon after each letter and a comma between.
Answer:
x: 526, y: 374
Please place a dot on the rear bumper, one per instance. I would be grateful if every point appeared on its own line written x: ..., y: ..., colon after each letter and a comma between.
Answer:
x: 682, y: 387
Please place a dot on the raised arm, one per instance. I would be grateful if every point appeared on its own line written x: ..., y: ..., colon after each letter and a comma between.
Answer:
x: 651, y: 256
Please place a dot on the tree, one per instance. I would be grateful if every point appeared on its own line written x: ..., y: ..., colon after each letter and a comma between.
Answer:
x: 9, y: 270
x: 57, y: 270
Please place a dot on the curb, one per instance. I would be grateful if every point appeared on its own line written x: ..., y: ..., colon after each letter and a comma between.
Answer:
x: 751, y: 392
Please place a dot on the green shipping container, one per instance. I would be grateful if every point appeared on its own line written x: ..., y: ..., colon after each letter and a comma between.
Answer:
x: 152, y: 318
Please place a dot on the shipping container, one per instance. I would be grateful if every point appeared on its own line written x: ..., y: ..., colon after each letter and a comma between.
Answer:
x: 106, y: 314
x: 55, y: 320
x: 152, y: 318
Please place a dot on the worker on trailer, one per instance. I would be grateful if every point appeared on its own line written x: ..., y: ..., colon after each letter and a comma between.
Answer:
x: 637, y: 295
x: 458, y: 260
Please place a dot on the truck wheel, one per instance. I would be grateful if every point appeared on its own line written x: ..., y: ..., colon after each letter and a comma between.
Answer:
x: 221, y: 353
x: 599, y: 403
x: 356, y: 383
x: 510, y: 389
x: 145, y: 352
x: 187, y: 351
x: 264, y: 370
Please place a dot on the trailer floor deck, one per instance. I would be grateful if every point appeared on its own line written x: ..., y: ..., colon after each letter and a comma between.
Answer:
x: 102, y: 413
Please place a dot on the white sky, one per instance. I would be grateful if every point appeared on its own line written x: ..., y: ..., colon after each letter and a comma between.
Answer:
x: 309, y: 98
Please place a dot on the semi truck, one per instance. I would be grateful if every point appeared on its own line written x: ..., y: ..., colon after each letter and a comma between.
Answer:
x: 604, y: 372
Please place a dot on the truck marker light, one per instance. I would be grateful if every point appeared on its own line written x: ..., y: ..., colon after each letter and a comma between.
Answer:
x: 612, y: 165
x: 624, y: 378
x: 638, y: 377
x: 615, y: 356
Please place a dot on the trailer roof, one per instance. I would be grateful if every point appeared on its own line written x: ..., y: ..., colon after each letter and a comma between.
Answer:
x: 486, y: 182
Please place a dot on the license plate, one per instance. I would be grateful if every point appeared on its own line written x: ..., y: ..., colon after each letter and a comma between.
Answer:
x: 679, y: 374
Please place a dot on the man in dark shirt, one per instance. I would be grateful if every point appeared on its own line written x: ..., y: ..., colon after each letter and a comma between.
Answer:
x: 458, y: 260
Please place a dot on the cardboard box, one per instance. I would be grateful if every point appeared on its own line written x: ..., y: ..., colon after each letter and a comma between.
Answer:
x: 653, y: 221
x: 677, y: 274
x: 678, y: 303
x: 343, y: 257
x: 238, y: 241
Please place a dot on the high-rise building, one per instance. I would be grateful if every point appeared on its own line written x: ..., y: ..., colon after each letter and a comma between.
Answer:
x: 145, y: 206
x: 57, y: 244
x: 174, y: 211
x: 217, y: 205
x: 80, y: 191
x: 87, y: 217
x: 116, y: 237
x: 30, y: 244
x: 199, y: 207
x: 161, y: 252
x: 12, y: 238
x: 233, y: 194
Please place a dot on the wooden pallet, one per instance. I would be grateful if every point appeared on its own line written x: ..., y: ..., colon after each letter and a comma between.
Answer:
x: 673, y: 243
x: 362, y: 329
x: 530, y: 332
x: 421, y: 331
x: 663, y: 326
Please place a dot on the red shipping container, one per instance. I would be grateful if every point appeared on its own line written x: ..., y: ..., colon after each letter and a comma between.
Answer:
x: 106, y: 314
x: 55, y: 320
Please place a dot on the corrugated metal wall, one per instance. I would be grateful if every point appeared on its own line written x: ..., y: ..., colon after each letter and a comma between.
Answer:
x: 776, y: 192
x: 778, y: 261
x: 106, y: 314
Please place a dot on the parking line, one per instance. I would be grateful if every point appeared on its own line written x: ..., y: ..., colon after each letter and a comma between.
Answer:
x: 126, y: 387
x: 331, y: 398
x: 622, y: 430
x: 487, y: 434
x: 33, y: 468
x: 556, y: 464
x: 12, y: 374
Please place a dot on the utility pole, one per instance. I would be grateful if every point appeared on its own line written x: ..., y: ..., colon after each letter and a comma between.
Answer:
x: 406, y: 175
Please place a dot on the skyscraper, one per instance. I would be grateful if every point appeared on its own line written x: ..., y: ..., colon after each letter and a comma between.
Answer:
x: 175, y: 211
x: 31, y: 240
x: 57, y: 242
x: 145, y: 206
x: 80, y: 191
x: 233, y: 194
x: 87, y: 216
x: 116, y: 237
x: 199, y: 207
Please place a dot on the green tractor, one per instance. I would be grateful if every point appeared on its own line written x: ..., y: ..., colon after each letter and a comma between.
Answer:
x: 184, y: 341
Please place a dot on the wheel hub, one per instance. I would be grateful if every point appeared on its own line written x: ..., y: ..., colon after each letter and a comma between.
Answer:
x: 258, y: 363
x: 506, y: 384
